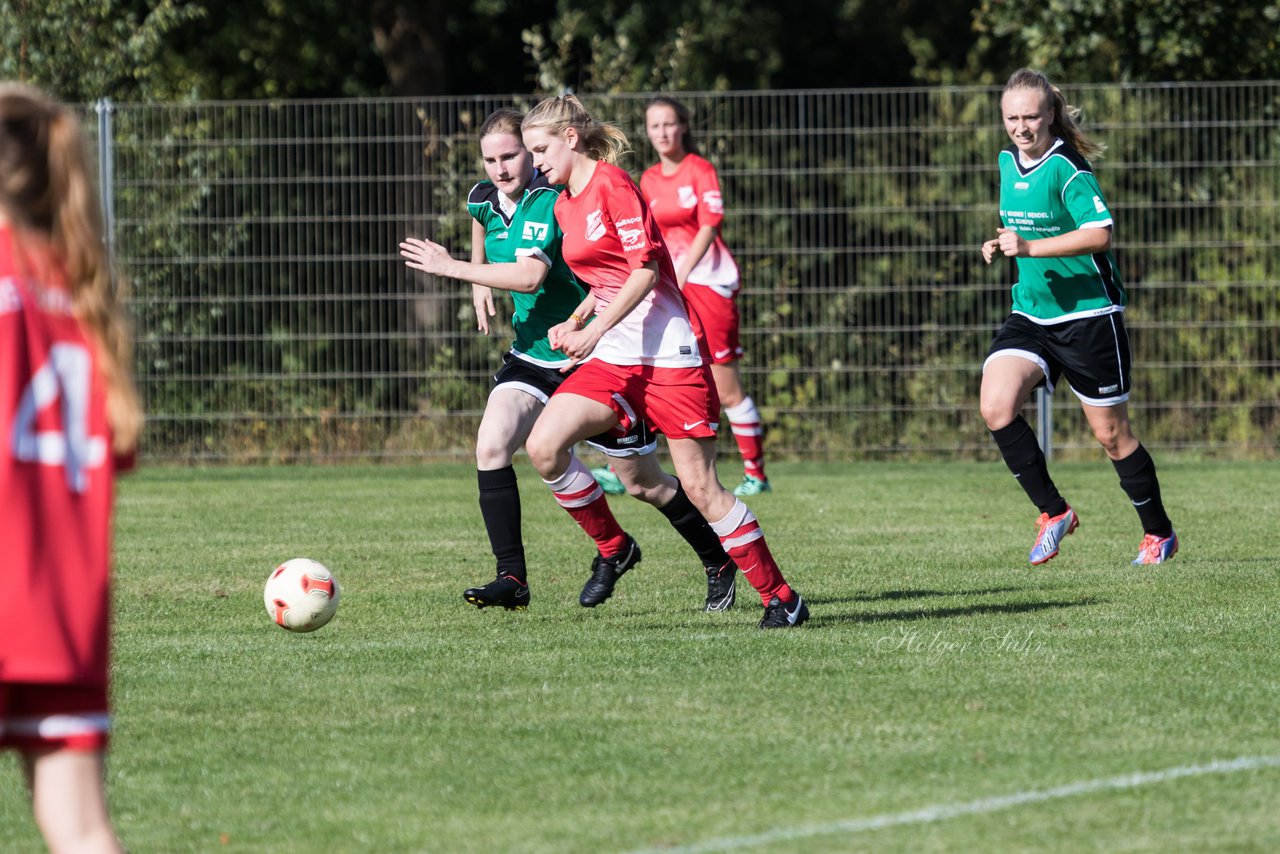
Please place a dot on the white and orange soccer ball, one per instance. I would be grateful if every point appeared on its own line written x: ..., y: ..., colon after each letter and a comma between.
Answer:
x: 301, y: 595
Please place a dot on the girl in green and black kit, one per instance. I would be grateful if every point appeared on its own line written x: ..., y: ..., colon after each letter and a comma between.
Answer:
x: 1068, y: 314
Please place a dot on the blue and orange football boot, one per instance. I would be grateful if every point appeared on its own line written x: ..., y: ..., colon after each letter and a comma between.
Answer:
x: 1156, y: 549
x: 1052, y: 530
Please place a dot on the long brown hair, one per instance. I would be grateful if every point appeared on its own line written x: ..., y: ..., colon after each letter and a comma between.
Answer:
x: 600, y: 140
x: 1065, y: 117
x: 46, y: 187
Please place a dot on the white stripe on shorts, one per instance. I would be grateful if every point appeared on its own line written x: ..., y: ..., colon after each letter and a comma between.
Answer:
x: 626, y: 407
x: 524, y: 387
x: 1023, y: 354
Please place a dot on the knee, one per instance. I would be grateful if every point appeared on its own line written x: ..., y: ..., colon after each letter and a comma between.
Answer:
x: 490, y: 454
x: 703, y: 494
x: 714, y: 502
x: 694, y: 460
x: 1106, y: 437
x: 543, y: 455
x: 1115, y: 439
x: 996, y: 413
x: 730, y: 397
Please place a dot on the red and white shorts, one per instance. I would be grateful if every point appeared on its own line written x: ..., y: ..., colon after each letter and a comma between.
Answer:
x: 680, y: 402
x: 715, y: 321
x: 72, y: 717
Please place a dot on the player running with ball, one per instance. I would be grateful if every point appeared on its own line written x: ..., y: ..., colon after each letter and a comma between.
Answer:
x: 640, y: 359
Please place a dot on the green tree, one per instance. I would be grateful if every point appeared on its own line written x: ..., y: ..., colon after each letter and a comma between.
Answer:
x: 616, y: 46
x: 1110, y: 40
x: 80, y: 50
x: 704, y: 45
x: 270, y: 49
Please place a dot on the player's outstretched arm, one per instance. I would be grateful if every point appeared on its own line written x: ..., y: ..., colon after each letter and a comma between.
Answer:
x: 524, y: 275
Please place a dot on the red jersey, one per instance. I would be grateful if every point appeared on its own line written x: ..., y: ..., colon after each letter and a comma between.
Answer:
x: 56, y: 478
x: 684, y: 202
x: 608, y: 232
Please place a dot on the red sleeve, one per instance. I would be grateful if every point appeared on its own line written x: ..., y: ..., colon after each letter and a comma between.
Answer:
x: 710, y: 203
x: 637, y: 230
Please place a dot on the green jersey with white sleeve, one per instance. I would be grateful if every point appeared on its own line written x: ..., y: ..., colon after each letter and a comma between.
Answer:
x: 529, y: 229
x: 1048, y: 197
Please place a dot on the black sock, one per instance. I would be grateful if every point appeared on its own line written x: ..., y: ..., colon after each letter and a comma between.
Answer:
x: 686, y: 519
x: 1138, y: 479
x: 500, y: 507
x: 1022, y: 454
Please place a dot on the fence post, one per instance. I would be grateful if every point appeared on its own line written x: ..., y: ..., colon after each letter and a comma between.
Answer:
x: 1044, y: 421
x: 106, y: 173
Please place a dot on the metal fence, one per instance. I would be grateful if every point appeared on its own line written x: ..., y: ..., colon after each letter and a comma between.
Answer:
x: 276, y: 321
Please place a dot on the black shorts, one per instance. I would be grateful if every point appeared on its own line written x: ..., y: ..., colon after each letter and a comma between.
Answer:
x: 541, y: 382
x: 1092, y: 352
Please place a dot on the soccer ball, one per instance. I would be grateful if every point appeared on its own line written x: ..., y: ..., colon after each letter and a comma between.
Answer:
x: 301, y: 595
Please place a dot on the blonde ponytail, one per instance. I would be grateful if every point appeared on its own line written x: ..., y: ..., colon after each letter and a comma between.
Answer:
x: 600, y: 140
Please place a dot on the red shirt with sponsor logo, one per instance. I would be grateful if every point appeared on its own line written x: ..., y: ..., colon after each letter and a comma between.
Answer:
x: 56, y: 478
x: 683, y: 202
x: 608, y: 232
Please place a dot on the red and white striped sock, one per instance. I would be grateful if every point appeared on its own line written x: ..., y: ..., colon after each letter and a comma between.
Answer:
x: 744, y: 420
x: 742, y: 538
x: 577, y: 491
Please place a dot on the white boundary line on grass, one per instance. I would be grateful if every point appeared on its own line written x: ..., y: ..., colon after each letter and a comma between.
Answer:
x: 942, y: 812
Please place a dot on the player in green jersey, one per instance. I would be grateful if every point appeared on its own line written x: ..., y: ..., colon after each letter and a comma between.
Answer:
x: 516, y: 247
x: 1068, y: 314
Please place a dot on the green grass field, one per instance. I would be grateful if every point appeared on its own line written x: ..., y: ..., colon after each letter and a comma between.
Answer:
x: 940, y: 698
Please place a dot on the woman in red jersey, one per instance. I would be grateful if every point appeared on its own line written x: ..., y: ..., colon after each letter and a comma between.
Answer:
x: 68, y: 415
x: 638, y: 360
x: 683, y: 191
